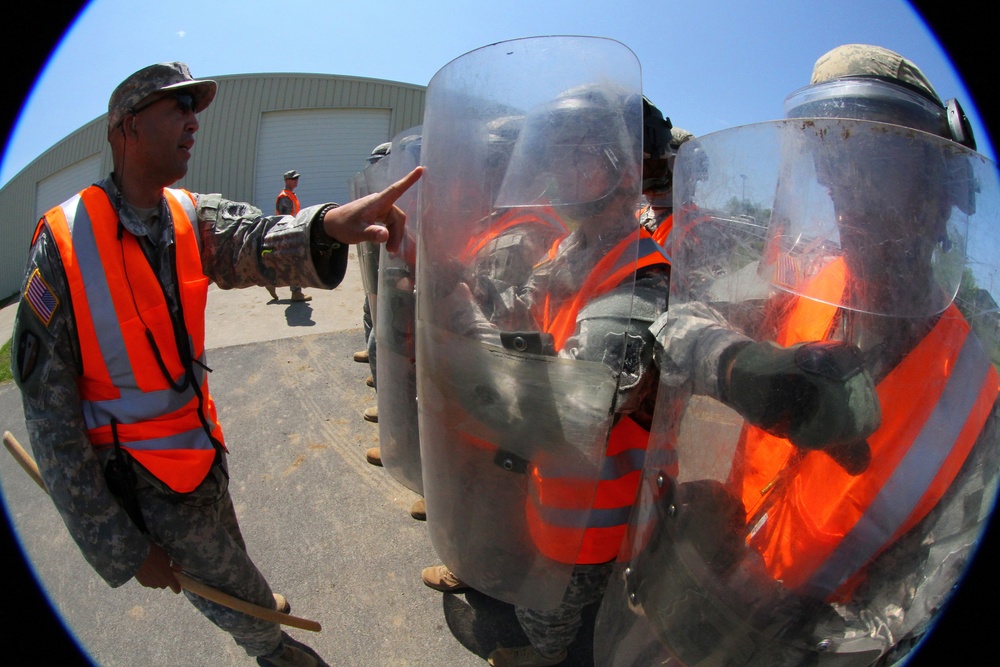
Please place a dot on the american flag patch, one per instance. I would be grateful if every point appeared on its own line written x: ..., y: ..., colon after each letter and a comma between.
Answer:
x: 40, y: 297
x: 786, y: 271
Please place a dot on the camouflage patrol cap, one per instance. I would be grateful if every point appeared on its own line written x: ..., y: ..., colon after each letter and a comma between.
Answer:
x: 291, y: 174
x: 157, y: 80
x: 864, y: 60
x: 678, y: 136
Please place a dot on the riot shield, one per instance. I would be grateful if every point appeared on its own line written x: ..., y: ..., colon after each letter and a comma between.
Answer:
x: 356, y: 186
x: 397, y: 387
x: 374, y: 178
x: 754, y: 550
x: 532, y: 149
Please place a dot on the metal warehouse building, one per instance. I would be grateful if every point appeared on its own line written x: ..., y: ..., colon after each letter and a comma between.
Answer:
x: 258, y: 127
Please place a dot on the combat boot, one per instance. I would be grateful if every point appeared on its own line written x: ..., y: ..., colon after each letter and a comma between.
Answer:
x: 297, y: 295
x: 361, y: 357
x: 291, y: 653
x: 374, y: 456
x: 440, y: 578
x: 371, y: 414
x: 523, y: 656
x: 418, y: 510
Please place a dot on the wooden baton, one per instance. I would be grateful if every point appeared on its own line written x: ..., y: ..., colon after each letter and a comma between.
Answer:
x: 187, y: 583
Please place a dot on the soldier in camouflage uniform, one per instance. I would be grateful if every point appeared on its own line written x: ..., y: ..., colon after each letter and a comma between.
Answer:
x: 878, y: 593
x: 284, y: 205
x: 151, y: 122
x: 511, y: 290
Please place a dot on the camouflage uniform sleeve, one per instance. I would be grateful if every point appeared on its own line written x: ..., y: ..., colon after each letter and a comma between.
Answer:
x: 690, y: 338
x: 45, y: 365
x: 241, y: 247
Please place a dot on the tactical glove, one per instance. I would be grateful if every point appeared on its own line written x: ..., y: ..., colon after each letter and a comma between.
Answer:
x: 817, y: 395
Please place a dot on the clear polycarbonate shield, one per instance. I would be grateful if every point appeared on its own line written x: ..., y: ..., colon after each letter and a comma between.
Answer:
x: 744, y: 549
x: 375, y: 178
x: 395, y: 336
x: 356, y: 186
x: 509, y: 419
x: 823, y: 189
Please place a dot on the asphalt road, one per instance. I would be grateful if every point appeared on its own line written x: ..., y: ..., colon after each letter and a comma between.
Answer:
x: 328, y: 530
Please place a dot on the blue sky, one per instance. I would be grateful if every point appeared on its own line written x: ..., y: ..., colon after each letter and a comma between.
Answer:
x: 709, y: 64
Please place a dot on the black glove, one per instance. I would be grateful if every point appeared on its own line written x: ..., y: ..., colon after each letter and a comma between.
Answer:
x: 817, y: 395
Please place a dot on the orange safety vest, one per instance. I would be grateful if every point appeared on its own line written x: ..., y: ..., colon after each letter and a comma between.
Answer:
x: 609, y: 272
x: 568, y: 521
x: 292, y: 197
x: 543, y: 215
x: 817, y: 527
x: 118, y: 304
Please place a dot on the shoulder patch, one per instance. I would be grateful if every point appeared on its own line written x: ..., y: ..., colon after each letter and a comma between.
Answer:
x: 40, y: 297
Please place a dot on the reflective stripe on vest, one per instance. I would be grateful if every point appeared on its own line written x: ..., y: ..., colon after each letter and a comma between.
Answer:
x: 543, y: 215
x: 568, y: 520
x: 291, y: 196
x: 816, y: 526
x: 114, y: 308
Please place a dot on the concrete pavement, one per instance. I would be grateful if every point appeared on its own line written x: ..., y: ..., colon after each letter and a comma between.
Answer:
x: 329, y: 531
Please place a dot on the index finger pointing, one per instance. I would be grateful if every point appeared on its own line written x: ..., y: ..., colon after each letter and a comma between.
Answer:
x: 395, y: 191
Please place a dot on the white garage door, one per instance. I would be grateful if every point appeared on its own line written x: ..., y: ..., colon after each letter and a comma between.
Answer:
x: 327, y: 146
x: 66, y: 182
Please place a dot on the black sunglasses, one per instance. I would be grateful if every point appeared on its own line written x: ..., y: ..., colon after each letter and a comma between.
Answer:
x: 185, y: 102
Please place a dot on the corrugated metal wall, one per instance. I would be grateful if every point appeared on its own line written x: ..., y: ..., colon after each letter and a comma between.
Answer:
x: 225, y: 152
x: 19, y: 198
x: 327, y: 146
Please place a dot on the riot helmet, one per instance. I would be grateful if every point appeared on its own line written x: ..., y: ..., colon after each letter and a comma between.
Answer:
x: 898, y: 197
x: 380, y: 152
x: 574, y: 152
x: 408, y: 152
x: 871, y: 83
x: 501, y: 137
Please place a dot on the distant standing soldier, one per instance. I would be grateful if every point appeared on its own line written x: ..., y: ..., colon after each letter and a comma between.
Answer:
x: 288, y: 204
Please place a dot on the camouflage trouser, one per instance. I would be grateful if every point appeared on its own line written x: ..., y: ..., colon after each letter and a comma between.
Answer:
x: 204, y: 538
x: 552, y: 631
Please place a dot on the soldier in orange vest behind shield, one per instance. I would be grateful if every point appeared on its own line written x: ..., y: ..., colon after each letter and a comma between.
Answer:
x: 542, y: 386
x: 829, y: 518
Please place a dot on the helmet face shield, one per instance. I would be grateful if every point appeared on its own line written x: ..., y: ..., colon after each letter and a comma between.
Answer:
x: 573, y: 150
x: 891, y: 205
x: 896, y: 205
